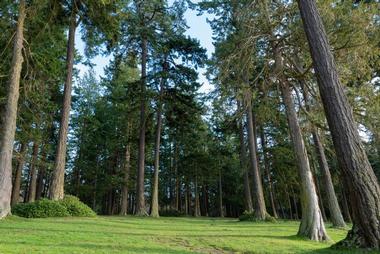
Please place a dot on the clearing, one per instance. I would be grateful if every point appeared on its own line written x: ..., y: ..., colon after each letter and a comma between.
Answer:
x: 164, y: 235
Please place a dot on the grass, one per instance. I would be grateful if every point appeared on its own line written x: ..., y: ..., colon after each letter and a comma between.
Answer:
x: 164, y: 235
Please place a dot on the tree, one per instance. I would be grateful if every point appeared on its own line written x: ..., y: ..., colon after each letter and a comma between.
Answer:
x: 357, y: 172
x: 56, y: 190
x: 10, y: 114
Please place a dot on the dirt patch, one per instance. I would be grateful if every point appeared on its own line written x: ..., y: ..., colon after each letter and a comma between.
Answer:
x: 177, y: 241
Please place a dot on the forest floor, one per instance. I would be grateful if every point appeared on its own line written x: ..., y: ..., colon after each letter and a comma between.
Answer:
x: 164, y: 235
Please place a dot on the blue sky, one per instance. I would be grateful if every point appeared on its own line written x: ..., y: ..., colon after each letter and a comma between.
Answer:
x: 198, y: 28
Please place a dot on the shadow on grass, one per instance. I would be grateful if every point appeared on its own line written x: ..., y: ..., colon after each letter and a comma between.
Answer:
x: 93, y: 247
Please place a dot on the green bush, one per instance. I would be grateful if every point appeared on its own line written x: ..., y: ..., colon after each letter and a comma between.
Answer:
x: 247, y: 216
x: 40, y: 209
x: 43, y: 208
x: 76, y: 208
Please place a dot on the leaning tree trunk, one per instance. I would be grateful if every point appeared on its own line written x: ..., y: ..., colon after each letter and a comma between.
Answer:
x: 140, y: 199
x: 353, y: 161
x: 33, y: 174
x: 332, y: 201
x: 17, y: 181
x: 155, y: 207
x: 258, y: 195
x: 312, y: 225
x: 127, y: 169
x: 267, y: 171
x: 56, y: 190
x: 346, y: 209
x: 10, y: 115
x: 247, y: 189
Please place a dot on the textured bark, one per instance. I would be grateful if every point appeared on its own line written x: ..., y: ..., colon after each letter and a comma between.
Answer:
x: 10, y: 115
x: 312, y: 225
x: 267, y: 172
x: 353, y: 161
x: 332, y: 201
x: 56, y: 190
x: 17, y: 182
x: 33, y: 174
x: 127, y: 169
x: 140, y: 188
x: 258, y: 195
x: 154, y: 206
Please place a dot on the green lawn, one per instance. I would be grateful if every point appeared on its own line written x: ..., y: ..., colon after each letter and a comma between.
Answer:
x: 147, y: 235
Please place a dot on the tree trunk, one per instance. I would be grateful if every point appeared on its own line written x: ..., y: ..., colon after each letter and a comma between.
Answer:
x: 346, y: 209
x: 267, y: 171
x: 187, y: 199
x: 33, y: 174
x: 197, y: 210
x: 17, y: 181
x: 258, y: 195
x: 335, y: 212
x: 353, y: 161
x: 140, y: 188
x: 247, y: 189
x: 332, y: 201
x: 155, y: 207
x: 320, y: 199
x: 41, y: 175
x: 56, y: 190
x: 221, y: 211
x: 312, y: 225
x: 127, y: 169
x: 10, y: 115
x: 289, y: 203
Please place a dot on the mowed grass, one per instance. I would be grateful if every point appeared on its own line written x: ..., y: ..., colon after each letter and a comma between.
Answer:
x: 164, y: 235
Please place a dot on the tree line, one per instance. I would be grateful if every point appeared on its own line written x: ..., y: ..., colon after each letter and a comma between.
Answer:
x: 290, y: 130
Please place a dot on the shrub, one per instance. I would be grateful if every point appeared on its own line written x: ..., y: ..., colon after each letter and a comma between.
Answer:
x: 76, y: 208
x: 43, y: 208
x: 40, y: 209
x: 247, y: 216
x: 171, y: 213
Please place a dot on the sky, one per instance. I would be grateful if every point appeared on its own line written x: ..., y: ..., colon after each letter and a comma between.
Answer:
x: 198, y: 28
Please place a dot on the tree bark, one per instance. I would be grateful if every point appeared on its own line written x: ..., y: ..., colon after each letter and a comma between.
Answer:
x: 155, y: 207
x: 267, y: 171
x: 353, y: 161
x: 127, y: 169
x: 247, y: 189
x: 10, y: 116
x: 56, y: 190
x: 312, y: 225
x: 140, y: 188
x: 33, y: 174
x: 17, y: 181
x: 333, y: 205
x: 258, y: 195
